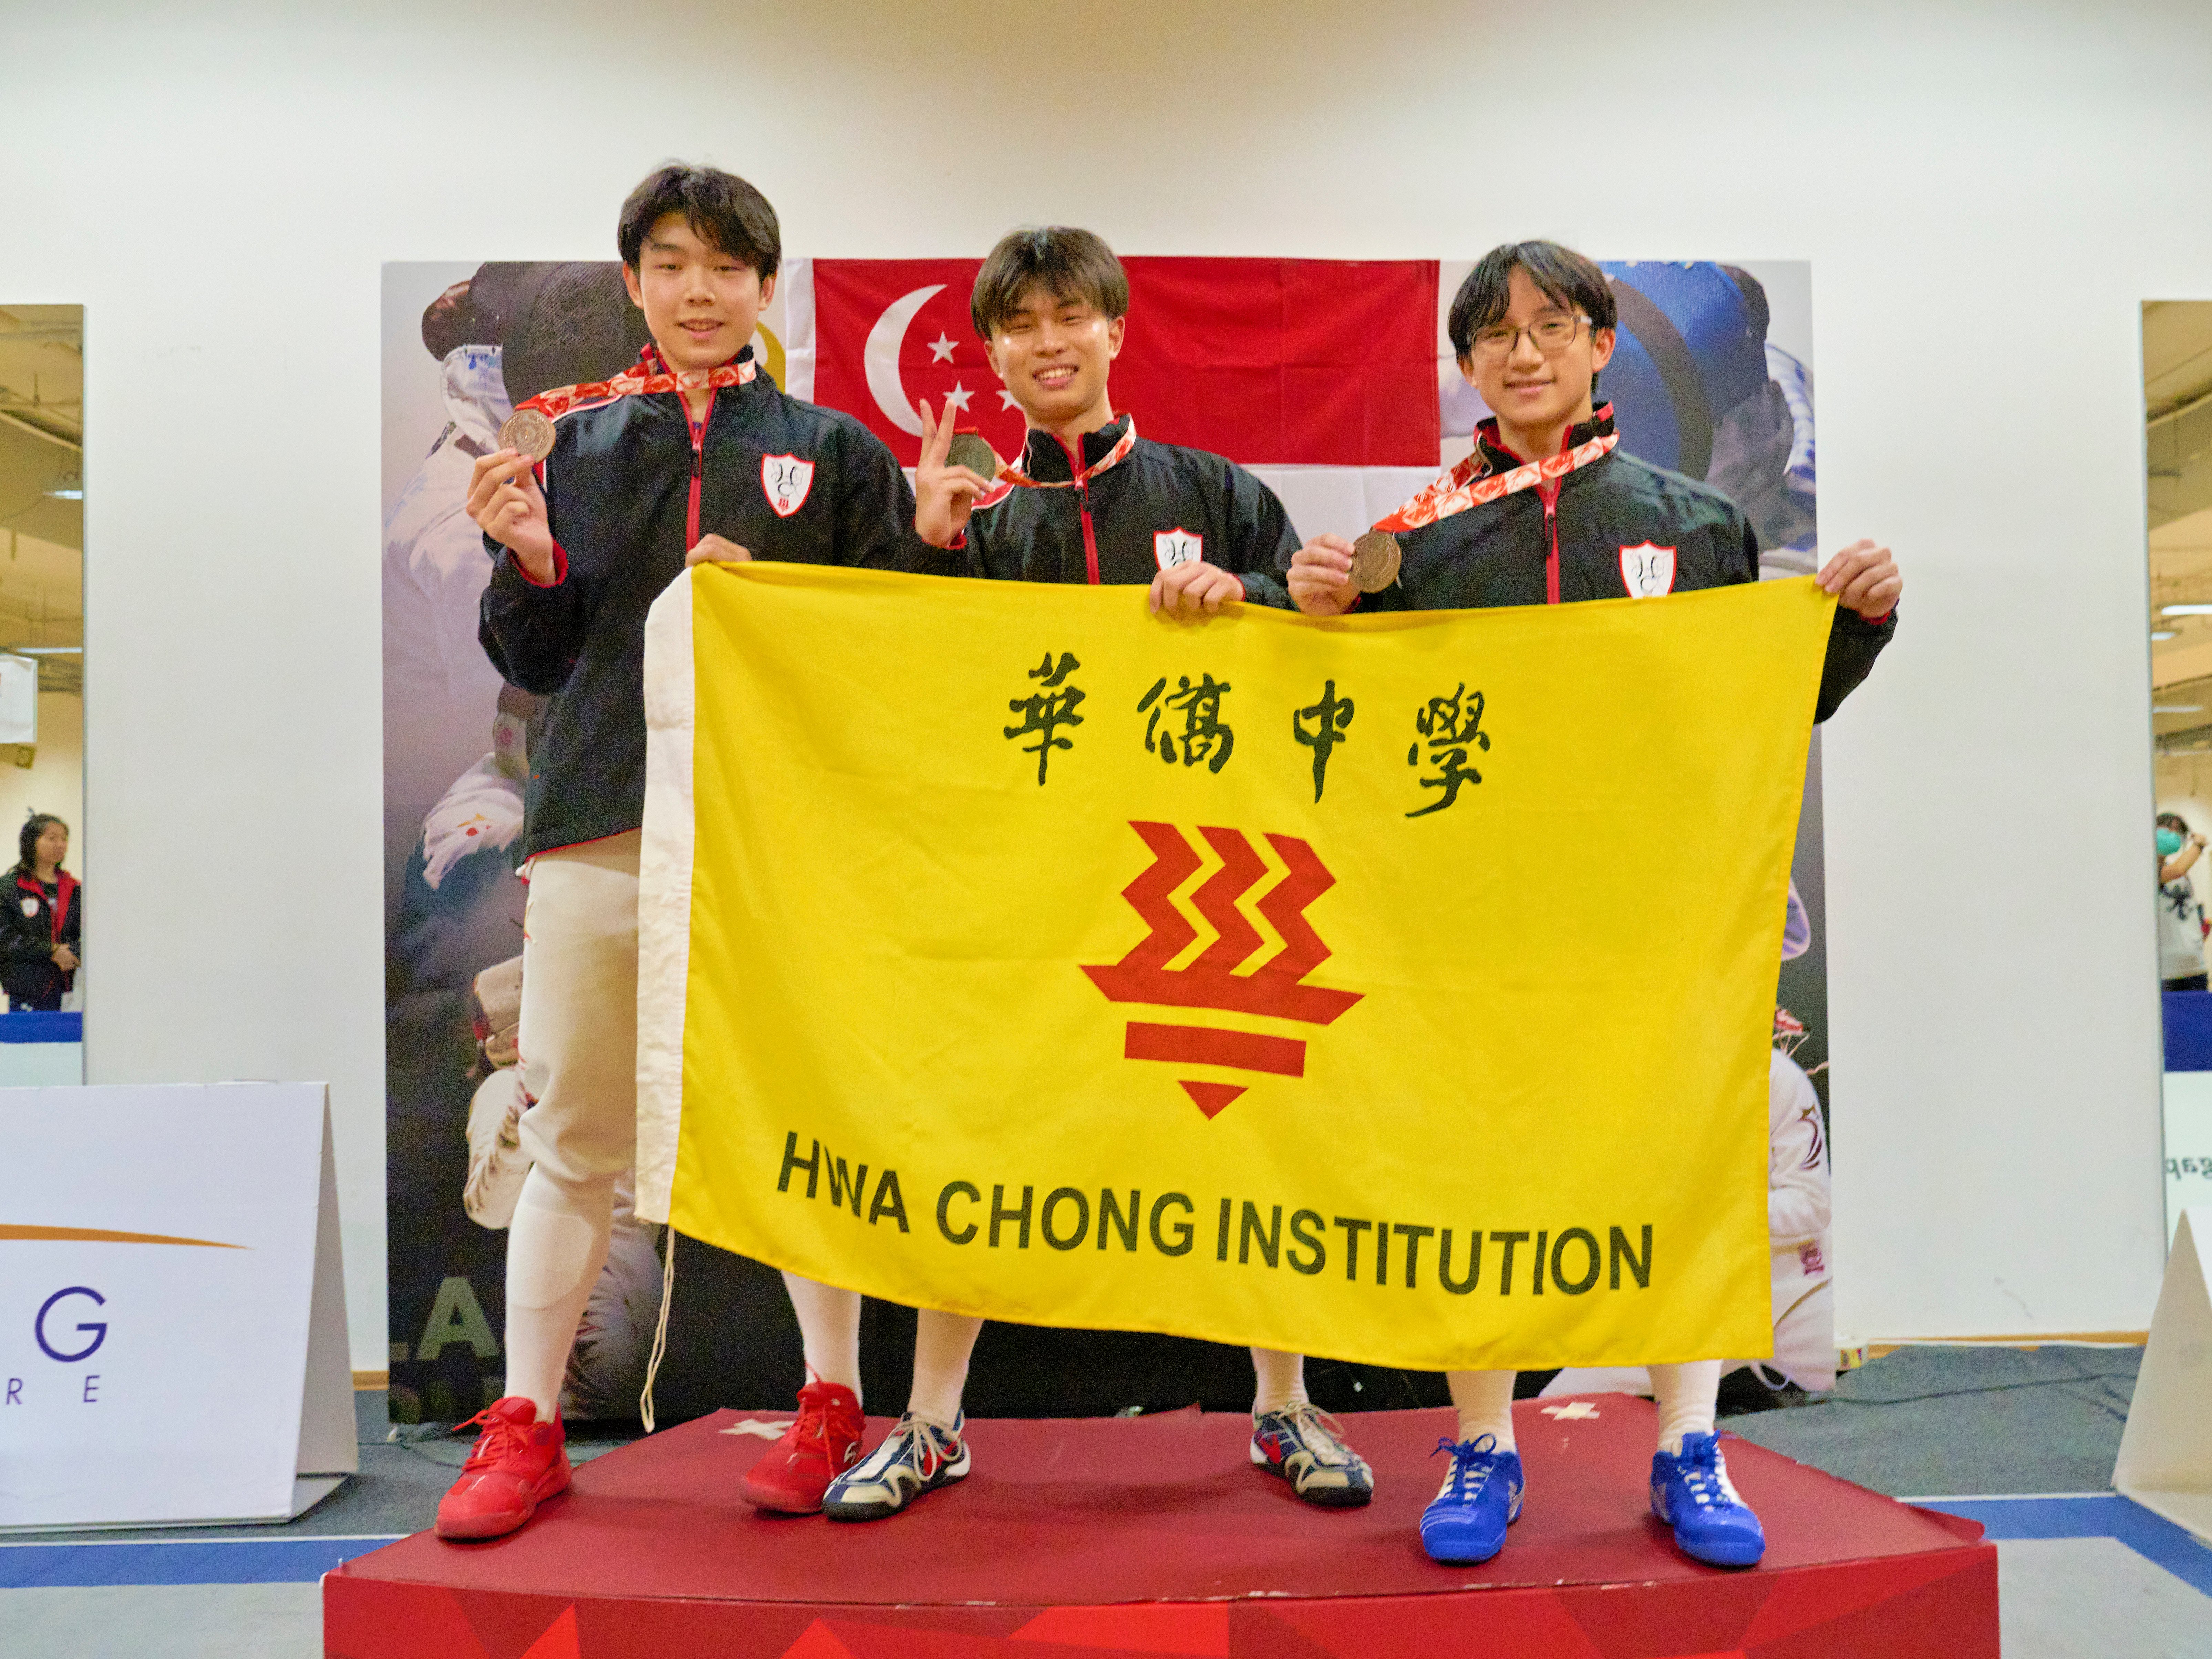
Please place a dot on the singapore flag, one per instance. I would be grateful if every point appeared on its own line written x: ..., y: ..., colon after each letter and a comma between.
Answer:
x: 1319, y: 375
x: 894, y: 333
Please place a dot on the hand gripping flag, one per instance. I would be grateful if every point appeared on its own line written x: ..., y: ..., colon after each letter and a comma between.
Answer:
x: 1393, y: 988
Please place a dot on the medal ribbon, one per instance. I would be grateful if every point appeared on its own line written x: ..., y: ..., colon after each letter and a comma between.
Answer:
x: 1464, y: 486
x: 635, y: 383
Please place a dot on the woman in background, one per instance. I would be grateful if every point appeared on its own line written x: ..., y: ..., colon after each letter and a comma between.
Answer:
x: 40, y: 924
x: 2181, y: 915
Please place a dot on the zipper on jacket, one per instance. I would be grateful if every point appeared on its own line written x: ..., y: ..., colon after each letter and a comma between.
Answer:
x: 1550, y: 492
x: 1089, y: 540
x: 698, y: 464
x: 1083, y: 503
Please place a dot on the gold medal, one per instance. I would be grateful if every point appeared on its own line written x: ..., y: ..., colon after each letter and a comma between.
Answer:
x: 1375, y: 561
x: 527, y: 433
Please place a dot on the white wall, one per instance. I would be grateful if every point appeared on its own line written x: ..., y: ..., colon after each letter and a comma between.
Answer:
x: 1985, y: 193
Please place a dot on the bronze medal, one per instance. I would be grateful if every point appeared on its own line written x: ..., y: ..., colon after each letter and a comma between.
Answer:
x: 1375, y: 561
x: 969, y: 450
x: 527, y: 433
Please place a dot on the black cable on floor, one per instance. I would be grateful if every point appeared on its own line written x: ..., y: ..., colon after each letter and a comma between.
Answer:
x: 1987, y: 1387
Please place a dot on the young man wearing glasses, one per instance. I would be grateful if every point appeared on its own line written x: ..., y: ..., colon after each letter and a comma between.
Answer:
x: 1547, y: 511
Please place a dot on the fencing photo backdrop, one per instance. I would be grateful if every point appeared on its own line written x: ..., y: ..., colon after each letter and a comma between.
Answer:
x: 1331, y: 379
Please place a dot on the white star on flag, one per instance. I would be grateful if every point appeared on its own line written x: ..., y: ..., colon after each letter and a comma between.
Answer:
x: 958, y: 397
x: 940, y: 348
x: 1006, y: 401
x: 1573, y: 1412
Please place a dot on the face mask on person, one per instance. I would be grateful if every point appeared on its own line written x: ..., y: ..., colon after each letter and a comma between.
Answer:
x: 2169, y: 842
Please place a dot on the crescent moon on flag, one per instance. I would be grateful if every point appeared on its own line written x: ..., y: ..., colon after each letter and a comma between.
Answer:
x: 881, y: 357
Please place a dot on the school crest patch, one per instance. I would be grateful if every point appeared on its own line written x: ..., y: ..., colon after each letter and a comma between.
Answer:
x: 1647, y: 571
x: 785, y: 479
x: 1178, y: 546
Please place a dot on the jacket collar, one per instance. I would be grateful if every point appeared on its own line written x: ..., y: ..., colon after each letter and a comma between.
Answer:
x: 1046, y: 459
x: 650, y: 362
x: 1497, y: 458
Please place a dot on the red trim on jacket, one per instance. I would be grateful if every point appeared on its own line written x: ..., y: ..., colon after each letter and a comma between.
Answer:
x: 65, y: 886
x: 698, y: 429
x: 560, y: 568
x: 1076, y: 469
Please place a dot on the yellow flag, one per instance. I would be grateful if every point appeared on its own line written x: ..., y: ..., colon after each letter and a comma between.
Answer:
x: 1395, y: 989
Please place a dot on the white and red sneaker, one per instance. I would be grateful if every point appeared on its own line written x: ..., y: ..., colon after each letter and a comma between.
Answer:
x: 516, y: 1464
x: 793, y: 1474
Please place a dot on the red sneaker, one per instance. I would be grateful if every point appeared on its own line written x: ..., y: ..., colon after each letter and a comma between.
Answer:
x: 516, y: 1464
x: 793, y: 1474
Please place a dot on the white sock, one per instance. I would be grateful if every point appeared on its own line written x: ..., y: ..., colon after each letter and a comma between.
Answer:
x: 829, y: 1330
x: 1279, y: 1380
x: 556, y: 1246
x: 1484, y: 1399
x: 1687, y: 1395
x: 942, y: 1343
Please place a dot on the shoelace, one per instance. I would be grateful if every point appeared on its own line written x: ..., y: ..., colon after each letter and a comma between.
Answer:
x: 813, y: 1424
x: 1473, y: 1462
x: 1331, y: 1452
x: 1706, y: 1481
x: 500, y: 1439
x: 925, y: 1447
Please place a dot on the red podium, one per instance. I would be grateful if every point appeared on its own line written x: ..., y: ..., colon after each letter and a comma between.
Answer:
x: 1082, y: 1538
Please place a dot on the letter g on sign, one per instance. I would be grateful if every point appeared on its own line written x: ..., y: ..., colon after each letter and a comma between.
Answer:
x: 98, y: 1333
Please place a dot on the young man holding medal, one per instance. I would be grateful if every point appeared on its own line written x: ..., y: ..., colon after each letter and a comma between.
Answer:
x: 599, y: 497
x: 1546, y: 511
x: 1089, y: 500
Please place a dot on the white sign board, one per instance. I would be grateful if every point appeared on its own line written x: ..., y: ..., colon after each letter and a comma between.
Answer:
x: 171, y: 1309
x: 2166, y: 1451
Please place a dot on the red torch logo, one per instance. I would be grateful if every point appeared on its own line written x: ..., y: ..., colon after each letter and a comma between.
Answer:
x: 1275, y: 987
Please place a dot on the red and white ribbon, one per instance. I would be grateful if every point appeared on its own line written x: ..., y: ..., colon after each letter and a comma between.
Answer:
x: 1465, y: 486
x: 559, y: 400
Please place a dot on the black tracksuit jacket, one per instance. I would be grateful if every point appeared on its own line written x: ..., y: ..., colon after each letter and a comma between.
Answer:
x: 630, y: 487
x: 1157, y: 504
x: 30, y: 926
x: 1571, y: 540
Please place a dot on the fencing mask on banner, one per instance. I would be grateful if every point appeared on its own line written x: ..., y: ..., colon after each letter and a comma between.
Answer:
x: 476, y: 311
x: 571, y: 322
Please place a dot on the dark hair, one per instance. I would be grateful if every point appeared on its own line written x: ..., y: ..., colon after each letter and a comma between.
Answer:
x: 1072, y: 264
x: 2174, y: 821
x: 27, y: 841
x: 1561, y: 275
x: 722, y: 208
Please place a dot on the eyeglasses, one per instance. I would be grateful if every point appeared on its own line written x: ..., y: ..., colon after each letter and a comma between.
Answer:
x: 1551, y: 336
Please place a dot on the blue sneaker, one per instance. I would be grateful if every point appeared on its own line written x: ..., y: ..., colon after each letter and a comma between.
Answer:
x: 1306, y: 1446
x: 1481, y: 1496
x: 1691, y: 1493
x: 915, y: 1457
